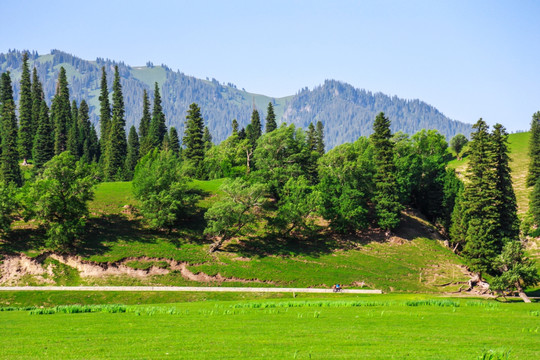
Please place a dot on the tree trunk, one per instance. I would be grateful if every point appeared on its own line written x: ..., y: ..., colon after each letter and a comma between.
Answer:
x: 522, y: 294
x: 216, y: 245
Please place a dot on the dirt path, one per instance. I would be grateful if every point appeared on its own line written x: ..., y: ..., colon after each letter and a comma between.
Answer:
x: 182, y: 288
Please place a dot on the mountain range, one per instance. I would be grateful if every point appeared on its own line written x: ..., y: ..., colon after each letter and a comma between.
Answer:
x: 346, y: 112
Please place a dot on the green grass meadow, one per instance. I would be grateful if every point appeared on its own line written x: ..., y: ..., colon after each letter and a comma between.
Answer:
x: 331, y: 327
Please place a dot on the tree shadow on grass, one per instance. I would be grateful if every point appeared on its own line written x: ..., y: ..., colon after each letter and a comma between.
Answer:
x: 315, y: 245
x: 21, y: 240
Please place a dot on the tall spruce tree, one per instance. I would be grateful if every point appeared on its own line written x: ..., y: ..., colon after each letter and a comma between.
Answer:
x: 158, y: 129
x: 87, y: 138
x: 207, y: 139
x: 61, y: 112
x: 144, y: 125
x: 312, y: 138
x: 9, y: 166
x: 253, y: 130
x: 271, y: 124
x: 26, y: 128
x: 534, y: 207
x: 44, y: 140
x: 73, y: 140
x: 193, y: 138
x: 234, y: 127
x: 320, y: 137
x: 132, y: 152
x: 117, y: 148
x: 386, y: 199
x: 104, y: 112
x: 481, y: 202
x: 508, y: 219
x: 174, y: 141
x: 534, y: 151
x: 37, y: 98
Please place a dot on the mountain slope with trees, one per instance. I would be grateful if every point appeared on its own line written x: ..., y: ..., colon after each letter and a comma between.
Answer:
x: 345, y: 112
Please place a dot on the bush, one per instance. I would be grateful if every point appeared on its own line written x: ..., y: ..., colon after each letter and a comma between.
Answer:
x: 162, y: 190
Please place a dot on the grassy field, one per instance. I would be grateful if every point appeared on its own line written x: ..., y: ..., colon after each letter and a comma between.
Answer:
x: 374, y: 327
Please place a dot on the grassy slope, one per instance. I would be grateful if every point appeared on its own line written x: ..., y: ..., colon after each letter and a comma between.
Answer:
x: 518, y: 145
x: 380, y: 328
x: 411, y: 262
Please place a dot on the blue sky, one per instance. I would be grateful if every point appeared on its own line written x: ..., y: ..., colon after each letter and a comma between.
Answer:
x: 470, y: 59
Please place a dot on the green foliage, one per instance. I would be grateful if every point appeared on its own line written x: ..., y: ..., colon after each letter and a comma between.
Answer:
x: 26, y: 127
x: 9, y: 166
x: 8, y: 205
x: 58, y: 200
x: 457, y: 143
x: 271, y: 124
x: 320, y: 138
x: 254, y: 129
x: 452, y: 190
x: 158, y: 129
x: 516, y: 271
x: 236, y: 213
x: 193, y: 140
x: 174, y: 141
x: 88, y: 141
x: 115, y: 157
x: 162, y: 190
x: 73, y: 143
x: 61, y: 113
x: 481, y: 204
x: 105, y: 112
x: 37, y: 98
x: 346, y: 179
x: 534, y: 208
x: 534, y: 151
x: 44, y: 140
x: 144, y: 125
x: 227, y: 159
x: 207, y: 139
x: 506, y: 198
x: 279, y: 156
x: 132, y: 153
x: 387, y: 205
x: 297, y: 206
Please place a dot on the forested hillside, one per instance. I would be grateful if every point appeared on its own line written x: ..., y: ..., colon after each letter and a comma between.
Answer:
x: 346, y: 112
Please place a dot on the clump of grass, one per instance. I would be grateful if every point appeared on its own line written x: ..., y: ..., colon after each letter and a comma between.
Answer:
x: 484, y: 304
x: 291, y: 304
x: 499, y: 354
x: 17, y: 308
x: 433, y: 302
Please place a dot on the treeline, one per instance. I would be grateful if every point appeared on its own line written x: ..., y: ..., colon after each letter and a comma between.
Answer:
x: 280, y: 179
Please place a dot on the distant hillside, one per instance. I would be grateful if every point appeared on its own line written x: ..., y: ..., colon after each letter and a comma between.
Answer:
x: 346, y: 112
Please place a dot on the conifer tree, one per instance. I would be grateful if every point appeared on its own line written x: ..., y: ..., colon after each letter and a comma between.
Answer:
x: 9, y: 167
x: 132, y: 152
x: 87, y: 138
x: 508, y: 219
x: 534, y: 207
x: 207, y: 139
x: 26, y: 128
x: 253, y: 130
x: 165, y: 143
x: 158, y: 129
x: 386, y: 197
x: 104, y: 112
x: 44, y: 140
x: 37, y: 98
x: 534, y: 151
x: 144, y: 125
x: 480, y: 202
x: 320, y: 138
x: 116, y: 152
x: 271, y: 124
x: 174, y: 141
x: 73, y: 145
x: 61, y: 112
x: 193, y: 138
x: 234, y: 127
x: 311, y: 138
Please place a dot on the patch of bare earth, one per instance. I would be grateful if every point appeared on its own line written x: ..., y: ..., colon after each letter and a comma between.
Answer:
x: 15, y: 268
